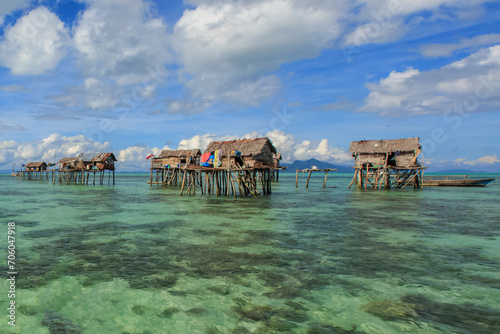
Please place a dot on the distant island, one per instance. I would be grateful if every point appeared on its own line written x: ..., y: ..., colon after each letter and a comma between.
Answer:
x: 299, y: 164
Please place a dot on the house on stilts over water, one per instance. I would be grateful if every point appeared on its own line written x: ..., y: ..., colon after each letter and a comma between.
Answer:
x: 237, y: 167
x: 33, y: 171
x: 166, y: 167
x: 387, y: 163
x: 79, y: 169
x: 176, y: 158
x: 36, y: 166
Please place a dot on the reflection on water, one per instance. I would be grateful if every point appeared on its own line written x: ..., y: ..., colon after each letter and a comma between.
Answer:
x: 141, y: 259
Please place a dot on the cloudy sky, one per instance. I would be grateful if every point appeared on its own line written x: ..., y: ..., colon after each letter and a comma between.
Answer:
x: 136, y: 76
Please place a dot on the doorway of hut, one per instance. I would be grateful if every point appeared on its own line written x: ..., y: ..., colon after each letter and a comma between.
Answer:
x: 238, y: 161
x: 391, y: 159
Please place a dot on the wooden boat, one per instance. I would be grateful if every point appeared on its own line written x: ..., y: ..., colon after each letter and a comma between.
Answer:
x: 452, y: 181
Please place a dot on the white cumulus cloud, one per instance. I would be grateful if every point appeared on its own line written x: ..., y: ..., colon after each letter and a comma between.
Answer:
x: 228, y: 48
x: 465, y: 86
x: 444, y: 50
x: 290, y: 148
x: 35, y: 44
x: 50, y: 149
x: 120, y: 40
x: 486, y: 160
x: 121, y: 50
x: 380, y: 21
x: 9, y: 6
x: 133, y: 158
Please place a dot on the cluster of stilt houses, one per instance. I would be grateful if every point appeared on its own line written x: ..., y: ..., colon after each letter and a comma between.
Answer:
x: 238, y: 167
x: 242, y: 168
x: 82, y: 169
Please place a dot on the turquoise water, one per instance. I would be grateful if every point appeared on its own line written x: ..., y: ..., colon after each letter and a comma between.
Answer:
x: 140, y: 259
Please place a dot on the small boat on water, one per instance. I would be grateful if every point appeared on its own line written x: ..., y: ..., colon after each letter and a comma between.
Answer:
x: 455, y: 181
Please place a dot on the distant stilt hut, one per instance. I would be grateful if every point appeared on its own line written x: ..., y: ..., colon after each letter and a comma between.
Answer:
x: 387, y: 163
x: 78, y: 169
x: 36, y: 167
x: 34, y: 171
x: 277, y: 168
x: 168, y: 163
x: 247, y: 153
x: 177, y: 158
x: 67, y: 163
x: 97, y: 163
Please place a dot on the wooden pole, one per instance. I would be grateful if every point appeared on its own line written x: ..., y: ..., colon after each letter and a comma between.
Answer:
x: 296, y: 177
x: 353, y: 178
x: 376, y: 177
x: 228, y: 168
x: 366, y: 176
x: 422, y: 178
x: 409, y: 180
x: 269, y: 183
x: 308, y: 177
x: 151, y: 172
x: 360, y: 177
x: 183, y: 182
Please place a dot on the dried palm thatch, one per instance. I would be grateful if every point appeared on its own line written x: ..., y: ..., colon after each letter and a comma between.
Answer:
x: 257, y: 153
x: 36, y: 164
x: 178, y: 153
x: 385, y: 146
x: 68, y: 160
x: 96, y: 157
x: 247, y: 147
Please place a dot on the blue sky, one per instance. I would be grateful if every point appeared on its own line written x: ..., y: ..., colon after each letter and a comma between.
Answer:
x: 135, y: 76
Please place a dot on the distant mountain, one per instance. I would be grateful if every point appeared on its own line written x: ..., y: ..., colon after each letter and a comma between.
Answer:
x: 298, y: 164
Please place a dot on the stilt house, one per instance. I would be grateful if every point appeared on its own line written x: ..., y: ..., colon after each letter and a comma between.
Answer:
x: 247, y: 153
x: 96, y: 161
x: 68, y: 163
x: 36, y: 167
x: 376, y: 161
x: 379, y: 153
x: 176, y: 158
x: 277, y: 157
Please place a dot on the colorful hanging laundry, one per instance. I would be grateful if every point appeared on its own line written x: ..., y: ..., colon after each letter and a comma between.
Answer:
x: 216, y: 158
x: 205, y: 157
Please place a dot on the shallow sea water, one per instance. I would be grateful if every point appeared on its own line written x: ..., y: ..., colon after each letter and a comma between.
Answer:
x: 136, y: 258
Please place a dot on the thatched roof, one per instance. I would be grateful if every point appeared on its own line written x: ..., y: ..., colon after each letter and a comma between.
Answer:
x: 385, y: 146
x: 35, y: 164
x: 68, y: 160
x: 178, y: 153
x: 96, y: 157
x: 247, y: 147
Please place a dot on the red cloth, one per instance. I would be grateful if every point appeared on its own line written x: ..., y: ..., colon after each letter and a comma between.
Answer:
x: 205, y: 157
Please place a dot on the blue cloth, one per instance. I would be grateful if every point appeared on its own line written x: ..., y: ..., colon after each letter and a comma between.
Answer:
x: 206, y: 164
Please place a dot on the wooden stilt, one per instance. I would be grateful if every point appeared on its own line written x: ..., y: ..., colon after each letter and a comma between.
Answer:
x: 308, y: 177
x: 353, y: 178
